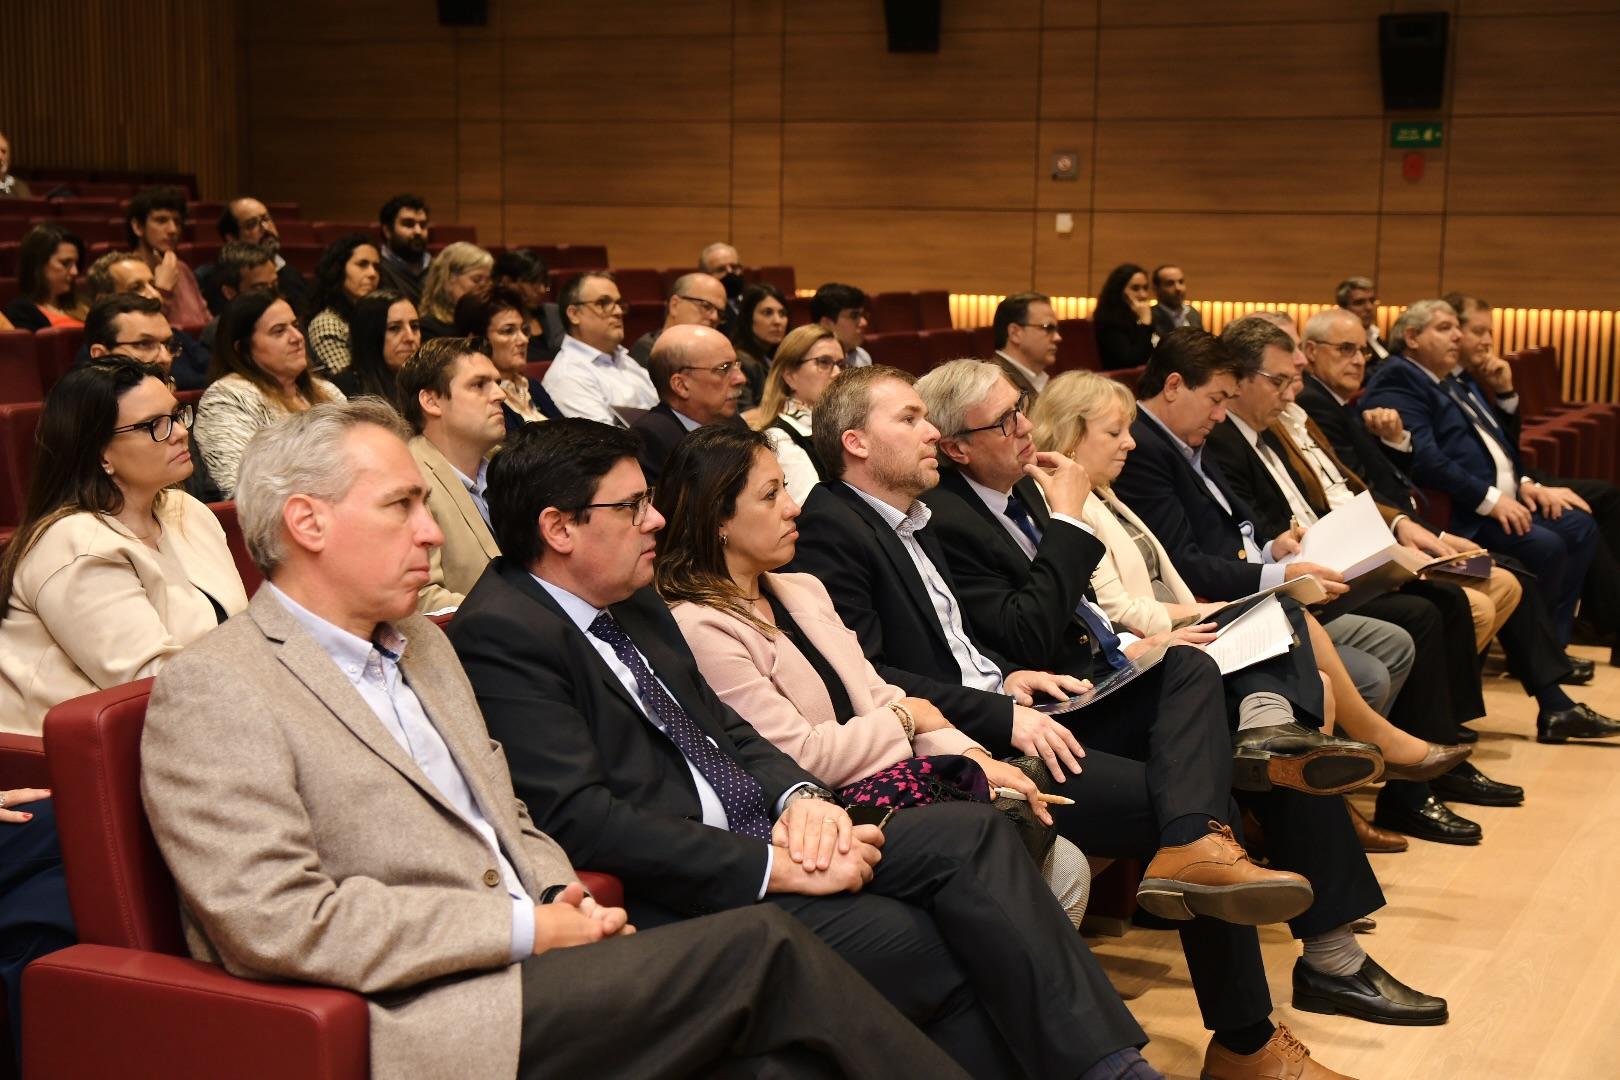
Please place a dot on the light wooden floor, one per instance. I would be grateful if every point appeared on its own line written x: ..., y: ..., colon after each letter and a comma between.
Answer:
x: 1521, y: 934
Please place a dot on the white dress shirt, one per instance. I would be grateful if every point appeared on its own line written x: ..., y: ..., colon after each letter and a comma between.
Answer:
x: 977, y: 670
x: 798, y: 471
x: 1037, y: 379
x: 1506, y: 483
x: 1335, y: 486
x: 373, y: 668
x: 585, y: 382
x: 1297, y: 503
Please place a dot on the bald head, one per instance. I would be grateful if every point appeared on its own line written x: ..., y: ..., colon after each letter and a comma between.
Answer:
x: 686, y: 366
x: 696, y: 300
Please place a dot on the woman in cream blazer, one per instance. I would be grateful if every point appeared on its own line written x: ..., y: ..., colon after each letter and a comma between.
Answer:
x: 93, y: 598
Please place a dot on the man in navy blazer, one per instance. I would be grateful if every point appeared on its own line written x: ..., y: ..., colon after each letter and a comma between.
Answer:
x: 1460, y: 446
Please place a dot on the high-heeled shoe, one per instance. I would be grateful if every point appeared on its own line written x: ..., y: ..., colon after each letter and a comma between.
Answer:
x: 1439, y: 760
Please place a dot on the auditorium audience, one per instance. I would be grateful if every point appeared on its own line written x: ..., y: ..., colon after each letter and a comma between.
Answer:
x: 384, y: 332
x: 241, y: 268
x: 694, y: 300
x: 699, y: 381
x: 523, y: 271
x: 478, y: 950
x: 1600, y: 593
x: 761, y: 324
x: 404, y: 221
x: 593, y: 375
x: 47, y: 295
x: 1123, y: 318
x: 1172, y: 310
x: 1026, y: 336
x: 111, y: 572
x: 808, y: 359
x: 461, y: 269
x: 454, y: 403
x: 123, y: 273
x: 153, y: 223
x: 583, y: 677
x: 721, y: 262
x: 842, y: 309
x: 498, y: 318
x: 248, y: 220
x: 1359, y: 297
x: 260, y: 375
x: 11, y: 187
x: 349, y: 269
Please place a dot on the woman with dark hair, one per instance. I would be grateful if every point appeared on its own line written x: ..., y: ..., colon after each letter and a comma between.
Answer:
x: 346, y: 273
x: 761, y: 323
x: 499, y: 319
x: 774, y: 649
x: 807, y: 361
x: 524, y: 272
x: 259, y: 374
x: 47, y: 264
x: 383, y: 333
x: 113, y: 569
x: 1124, y: 318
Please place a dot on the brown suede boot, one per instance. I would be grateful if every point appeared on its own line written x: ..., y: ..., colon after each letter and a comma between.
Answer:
x: 1283, y: 1058
x: 1213, y: 876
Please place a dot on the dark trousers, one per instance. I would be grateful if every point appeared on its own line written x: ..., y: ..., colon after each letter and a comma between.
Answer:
x: 745, y: 993
x: 958, y: 931
x: 34, y: 914
x: 1423, y: 707
x: 1557, y: 551
x: 1462, y: 659
x: 1600, y: 594
x: 1534, y: 655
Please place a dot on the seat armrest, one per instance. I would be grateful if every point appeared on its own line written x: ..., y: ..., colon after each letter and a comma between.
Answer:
x: 97, y: 1010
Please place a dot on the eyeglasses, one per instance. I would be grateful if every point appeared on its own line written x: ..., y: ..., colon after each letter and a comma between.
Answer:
x: 699, y: 303
x: 1044, y: 327
x: 603, y: 305
x: 1277, y: 381
x: 721, y: 370
x: 825, y: 363
x: 151, y: 345
x: 253, y: 223
x: 854, y: 314
x: 636, y: 504
x: 161, y: 427
x: 1345, y: 349
x: 1007, y: 421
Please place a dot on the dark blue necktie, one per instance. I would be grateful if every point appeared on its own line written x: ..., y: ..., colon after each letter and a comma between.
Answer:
x: 1101, y: 632
x: 740, y: 794
x: 1477, y: 409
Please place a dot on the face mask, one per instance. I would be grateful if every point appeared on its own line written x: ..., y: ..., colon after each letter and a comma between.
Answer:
x: 733, y: 284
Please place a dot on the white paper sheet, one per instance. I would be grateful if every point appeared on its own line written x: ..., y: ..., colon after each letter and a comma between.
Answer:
x: 1258, y: 634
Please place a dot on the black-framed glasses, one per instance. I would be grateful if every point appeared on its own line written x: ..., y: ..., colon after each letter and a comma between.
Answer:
x: 1044, y: 327
x: 150, y: 345
x: 1345, y: 349
x: 1007, y: 422
x: 604, y: 305
x: 721, y: 370
x: 161, y: 427
x: 636, y: 504
x: 701, y: 304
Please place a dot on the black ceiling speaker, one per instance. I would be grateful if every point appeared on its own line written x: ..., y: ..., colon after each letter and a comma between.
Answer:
x: 463, y: 12
x: 913, y: 25
x: 1412, y: 59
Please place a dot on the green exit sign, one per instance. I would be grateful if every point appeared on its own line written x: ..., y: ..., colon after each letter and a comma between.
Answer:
x: 1415, y: 136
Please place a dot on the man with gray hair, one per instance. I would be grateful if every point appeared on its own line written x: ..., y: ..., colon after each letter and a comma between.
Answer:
x: 1359, y: 297
x: 1460, y: 447
x: 721, y: 262
x: 696, y: 299
x: 341, y: 817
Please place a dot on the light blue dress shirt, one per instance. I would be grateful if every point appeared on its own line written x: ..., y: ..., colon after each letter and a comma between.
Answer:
x: 476, y: 487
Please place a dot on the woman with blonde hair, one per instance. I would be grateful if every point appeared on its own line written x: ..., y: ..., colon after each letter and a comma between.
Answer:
x: 806, y: 362
x: 459, y: 270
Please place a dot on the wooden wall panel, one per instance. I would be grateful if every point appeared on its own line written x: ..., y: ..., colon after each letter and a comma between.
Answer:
x: 1408, y: 257
x: 1067, y: 136
x: 657, y: 236
x: 686, y: 79
x: 299, y: 164
x: 1167, y: 13
x: 1531, y: 165
x: 866, y: 16
x: 1068, y: 74
x: 756, y: 164
x: 975, y: 76
x: 959, y: 165
x: 906, y: 249
x: 631, y: 163
x: 319, y: 80
x: 618, y: 19
x: 1533, y: 261
x: 1060, y: 13
x: 1551, y: 64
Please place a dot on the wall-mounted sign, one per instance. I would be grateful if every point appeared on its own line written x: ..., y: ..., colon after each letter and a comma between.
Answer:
x: 1407, y: 136
x: 1065, y: 165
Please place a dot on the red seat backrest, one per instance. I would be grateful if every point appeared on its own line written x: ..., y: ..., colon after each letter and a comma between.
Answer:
x: 295, y: 232
x: 641, y: 286
x: 574, y: 256
x: 641, y: 319
x: 1078, y: 347
x: 18, y: 423
x: 327, y: 232
x: 246, y: 569
x: 445, y: 233
x: 54, y: 350
x: 19, y: 373
x: 893, y: 312
x: 22, y: 762
x: 121, y: 892
x: 941, y: 346
x: 782, y: 277
x: 537, y: 370
x: 904, y: 351
x: 934, y: 309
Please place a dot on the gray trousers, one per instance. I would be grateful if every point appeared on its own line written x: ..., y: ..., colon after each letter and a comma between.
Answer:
x: 1377, y: 654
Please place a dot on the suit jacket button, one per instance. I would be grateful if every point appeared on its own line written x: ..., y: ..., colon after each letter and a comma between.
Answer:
x: 492, y: 878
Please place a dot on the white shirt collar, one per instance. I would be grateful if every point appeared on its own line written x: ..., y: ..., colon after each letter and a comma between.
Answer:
x: 1186, y: 451
x: 1037, y: 379
x: 574, y: 346
x: 995, y: 500
x: 580, y: 612
x: 686, y: 421
x: 1248, y: 432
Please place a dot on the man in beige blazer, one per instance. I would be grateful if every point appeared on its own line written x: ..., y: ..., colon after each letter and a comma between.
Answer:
x: 336, y: 813
x: 451, y: 396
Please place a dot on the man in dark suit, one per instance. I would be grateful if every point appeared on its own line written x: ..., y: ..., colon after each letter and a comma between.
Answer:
x: 1460, y: 447
x: 887, y: 575
x: 626, y: 756
x: 248, y: 220
x: 1371, y: 444
x: 698, y: 379
x: 1171, y: 312
x: 1026, y: 335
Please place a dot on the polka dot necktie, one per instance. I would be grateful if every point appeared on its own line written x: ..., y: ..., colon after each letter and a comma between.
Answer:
x: 740, y: 794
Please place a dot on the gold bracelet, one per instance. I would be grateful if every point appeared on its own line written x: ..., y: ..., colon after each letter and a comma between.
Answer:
x: 907, y: 724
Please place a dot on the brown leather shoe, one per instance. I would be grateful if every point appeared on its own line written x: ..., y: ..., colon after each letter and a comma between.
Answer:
x: 1439, y: 759
x: 1283, y: 1058
x: 1213, y: 876
x: 1373, y: 839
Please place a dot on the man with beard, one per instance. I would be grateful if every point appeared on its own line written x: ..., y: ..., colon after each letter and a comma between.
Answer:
x: 404, y: 221
x: 248, y: 220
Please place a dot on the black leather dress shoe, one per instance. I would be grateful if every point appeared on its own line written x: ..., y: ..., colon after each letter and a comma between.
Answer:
x: 1581, y: 722
x: 1295, y: 756
x: 1434, y: 820
x: 1466, y: 784
x: 1580, y: 671
x: 1370, y: 994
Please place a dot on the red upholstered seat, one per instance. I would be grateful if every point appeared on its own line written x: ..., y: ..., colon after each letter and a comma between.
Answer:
x: 246, y: 569
x: 17, y: 426
x: 19, y: 371
x: 638, y: 285
x: 893, y: 312
x: 782, y: 277
x: 904, y: 351
x: 327, y: 232
x: 295, y: 232
x: 941, y: 346
x: 446, y: 233
x: 573, y: 256
x: 934, y: 310
x: 54, y: 351
x: 1078, y: 347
